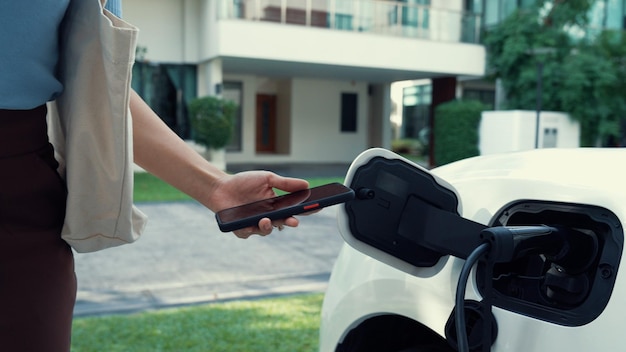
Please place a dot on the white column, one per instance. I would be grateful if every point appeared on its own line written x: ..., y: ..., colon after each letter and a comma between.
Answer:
x: 386, y: 116
x: 210, y: 78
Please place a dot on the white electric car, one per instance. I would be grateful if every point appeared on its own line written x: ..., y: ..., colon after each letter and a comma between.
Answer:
x: 410, y: 234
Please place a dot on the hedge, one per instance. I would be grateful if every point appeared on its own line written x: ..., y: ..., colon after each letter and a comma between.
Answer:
x: 456, y: 130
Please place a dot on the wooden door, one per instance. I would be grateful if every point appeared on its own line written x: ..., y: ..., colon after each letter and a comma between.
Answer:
x: 265, y: 123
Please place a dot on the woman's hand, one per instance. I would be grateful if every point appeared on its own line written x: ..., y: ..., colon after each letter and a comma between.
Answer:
x: 161, y: 152
x: 250, y: 186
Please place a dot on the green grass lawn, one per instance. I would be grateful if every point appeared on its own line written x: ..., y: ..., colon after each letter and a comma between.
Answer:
x: 284, y: 324
x: 148, y: 188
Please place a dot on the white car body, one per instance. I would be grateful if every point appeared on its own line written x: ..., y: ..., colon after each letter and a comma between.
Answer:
x: 362, y: 288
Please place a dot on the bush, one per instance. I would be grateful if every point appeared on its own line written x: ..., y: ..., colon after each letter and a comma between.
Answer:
x: 407, y: 146
x: 212, y: 121
x: 456, y: 130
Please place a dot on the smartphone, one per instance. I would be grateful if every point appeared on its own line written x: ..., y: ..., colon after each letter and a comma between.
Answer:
x: 283, y: 206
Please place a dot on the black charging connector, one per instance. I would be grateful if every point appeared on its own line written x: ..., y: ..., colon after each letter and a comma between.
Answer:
x: 503, y: 244
x: 365, y: 193
x: 512, y: 242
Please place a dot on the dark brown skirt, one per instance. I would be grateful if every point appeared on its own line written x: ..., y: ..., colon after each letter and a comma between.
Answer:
x: 37, y: 280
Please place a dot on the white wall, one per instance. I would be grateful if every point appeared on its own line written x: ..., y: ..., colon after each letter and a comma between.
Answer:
x: 317, y: 121
x: 313, y: 127
x: 168, y: 29
x: 248, y: 106
x: 508, y: 131
x: 269, y: 41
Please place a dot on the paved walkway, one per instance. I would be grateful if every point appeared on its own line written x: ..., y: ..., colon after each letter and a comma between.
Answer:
x: 183, y: 258
x: 303, y: 170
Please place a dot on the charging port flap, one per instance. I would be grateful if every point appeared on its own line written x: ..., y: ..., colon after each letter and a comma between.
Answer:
x: 403, y: 214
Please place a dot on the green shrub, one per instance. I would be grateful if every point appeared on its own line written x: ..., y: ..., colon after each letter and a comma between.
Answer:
x: 456, y: 130
x: 407, y: 146
x: 212, y: 121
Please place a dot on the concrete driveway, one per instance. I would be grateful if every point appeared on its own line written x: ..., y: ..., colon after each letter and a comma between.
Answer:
x: 183, y: 259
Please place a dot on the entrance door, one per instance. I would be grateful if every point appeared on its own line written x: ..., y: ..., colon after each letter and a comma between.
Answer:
x: 265, y: 123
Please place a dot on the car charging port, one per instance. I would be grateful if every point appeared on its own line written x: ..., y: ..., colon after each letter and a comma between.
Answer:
x: 569, y: 252
x: 565, y: 277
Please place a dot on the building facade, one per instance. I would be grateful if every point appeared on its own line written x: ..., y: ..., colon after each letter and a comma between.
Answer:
x: 416, y: 108
x: 311, y: 78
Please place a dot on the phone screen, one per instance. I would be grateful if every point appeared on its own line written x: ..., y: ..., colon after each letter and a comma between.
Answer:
x: 283, y: 206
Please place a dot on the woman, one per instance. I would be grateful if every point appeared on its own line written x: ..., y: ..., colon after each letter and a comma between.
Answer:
x: 37, y: 280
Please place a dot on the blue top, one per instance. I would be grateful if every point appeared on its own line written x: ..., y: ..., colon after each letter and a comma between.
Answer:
x: 115, y: 6
x: 30, y: 51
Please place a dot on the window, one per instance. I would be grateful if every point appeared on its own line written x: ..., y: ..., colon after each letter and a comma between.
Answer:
x: 416, y: 101
x: 485, y: 96
x: 348, y: 112
x: 550, y: 137
x: 607, y: 14
x: 167, y: 89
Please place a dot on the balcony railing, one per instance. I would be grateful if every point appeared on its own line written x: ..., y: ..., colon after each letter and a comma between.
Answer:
x: 369, y: 16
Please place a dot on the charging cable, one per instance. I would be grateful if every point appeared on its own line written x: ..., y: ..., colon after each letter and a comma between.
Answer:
x: 501, y: 244
x: 459, y: 314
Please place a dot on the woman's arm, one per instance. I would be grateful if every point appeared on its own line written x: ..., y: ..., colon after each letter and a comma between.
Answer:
x: 161, y: 152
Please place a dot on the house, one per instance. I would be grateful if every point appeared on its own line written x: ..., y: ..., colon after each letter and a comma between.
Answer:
x: 312, y: 78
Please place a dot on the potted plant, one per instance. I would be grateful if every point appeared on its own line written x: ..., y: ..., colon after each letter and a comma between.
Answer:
x: 212, y: 120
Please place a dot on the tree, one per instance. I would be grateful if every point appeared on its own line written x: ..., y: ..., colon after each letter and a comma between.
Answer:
x: 587, y: 94
x: 613, y: 45
x: 581, y: 74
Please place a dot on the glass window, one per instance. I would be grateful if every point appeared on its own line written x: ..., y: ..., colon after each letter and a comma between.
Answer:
x: 487, y: 97
x: 416, y: 110
x: 497, y: 10
x: 475, y: 6
x: 344, y: 14
x: 238, y: 9
x: 409, y: 100
x: 492, y: 12
x: 348, y: 112
x: 507, y: 8
x: 606, y: 14
x: 167, y: 89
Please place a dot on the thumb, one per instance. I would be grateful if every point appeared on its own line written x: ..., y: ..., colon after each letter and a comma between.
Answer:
x: 288, y: 184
